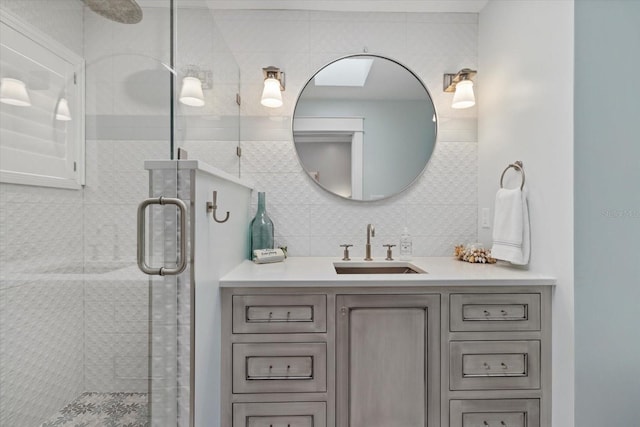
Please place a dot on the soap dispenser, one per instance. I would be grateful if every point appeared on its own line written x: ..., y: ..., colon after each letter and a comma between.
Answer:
x: 406, y: 245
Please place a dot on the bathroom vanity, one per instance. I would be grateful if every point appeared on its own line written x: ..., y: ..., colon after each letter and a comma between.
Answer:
x: 460, y: 345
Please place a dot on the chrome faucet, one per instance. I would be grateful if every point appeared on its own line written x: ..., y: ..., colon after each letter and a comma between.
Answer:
x: 371, y: 232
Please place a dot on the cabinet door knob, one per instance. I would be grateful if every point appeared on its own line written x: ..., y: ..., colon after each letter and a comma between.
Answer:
x: 504, y: 312
x: 486, y: 313
x: 504, y: 366
x: 486, y: 365
x: 343, y: 311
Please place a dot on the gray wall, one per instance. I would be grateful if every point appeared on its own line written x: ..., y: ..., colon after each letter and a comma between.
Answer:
x: 607, y: 214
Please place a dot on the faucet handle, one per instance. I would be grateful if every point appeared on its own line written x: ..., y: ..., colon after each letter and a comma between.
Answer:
x: 346, y: 247
x: 389, y: 254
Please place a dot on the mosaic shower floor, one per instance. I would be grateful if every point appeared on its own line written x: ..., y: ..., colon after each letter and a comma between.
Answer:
x: 103, y: 410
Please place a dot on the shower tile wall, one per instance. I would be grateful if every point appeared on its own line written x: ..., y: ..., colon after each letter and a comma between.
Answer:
x: 41, y: 294
x: 440, y: 209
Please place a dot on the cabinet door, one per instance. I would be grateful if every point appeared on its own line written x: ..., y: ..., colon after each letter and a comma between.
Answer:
x: 388, y: 360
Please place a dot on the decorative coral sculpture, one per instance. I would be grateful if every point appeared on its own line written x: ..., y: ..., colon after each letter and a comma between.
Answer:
x: 473, y: 254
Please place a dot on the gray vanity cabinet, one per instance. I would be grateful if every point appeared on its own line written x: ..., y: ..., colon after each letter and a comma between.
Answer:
x: 386, y: 356
x: 387, y: 360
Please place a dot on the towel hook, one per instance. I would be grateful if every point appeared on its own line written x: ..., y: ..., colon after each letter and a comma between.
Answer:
x: 213, y: 206
x: 517, y: 165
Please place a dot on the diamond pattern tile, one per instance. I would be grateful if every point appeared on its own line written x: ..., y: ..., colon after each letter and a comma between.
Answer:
x: 441, y: 206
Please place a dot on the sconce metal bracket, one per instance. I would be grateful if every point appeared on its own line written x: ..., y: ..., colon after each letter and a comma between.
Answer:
x: 276, y: 73
x: 451, y: 80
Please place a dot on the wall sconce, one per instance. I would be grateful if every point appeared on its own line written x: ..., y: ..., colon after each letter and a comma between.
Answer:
x: 193, y: 83
x: 14, y: 92
x: 62, y: 110
x: 462, y: 84
x: 273, y: 86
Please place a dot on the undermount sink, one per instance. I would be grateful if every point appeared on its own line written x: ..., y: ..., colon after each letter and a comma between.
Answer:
x: 377, y: 268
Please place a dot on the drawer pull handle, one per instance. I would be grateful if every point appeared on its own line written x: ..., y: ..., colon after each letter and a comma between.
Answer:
x: 504, y: 366
x: 486, y: 313
x: 270, y: 367
x: 288, y: 315
x: 503, y: 423
x: 485, y: 423
x: 288, y: 367
x: 504, y: 312
x: 486, y: 365
x: 270, y: 315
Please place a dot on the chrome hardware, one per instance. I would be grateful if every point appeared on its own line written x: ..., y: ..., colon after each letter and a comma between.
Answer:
x: 213, y: 206
x: 346, y: 247
x: 142, y: 226
x: 517, y: 165
x: 389, y: 254
x: 371, y: 232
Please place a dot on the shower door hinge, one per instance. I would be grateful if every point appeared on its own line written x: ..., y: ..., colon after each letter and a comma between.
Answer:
x: 238, y: 151
x: 75, y: 78
x: 238, y: 99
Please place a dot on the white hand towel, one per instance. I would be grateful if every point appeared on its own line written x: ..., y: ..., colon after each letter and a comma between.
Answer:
x: 511, y: 234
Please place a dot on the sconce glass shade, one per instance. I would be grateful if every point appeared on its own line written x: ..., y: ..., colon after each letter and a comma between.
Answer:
x: 14, y: 92
x: 271, y: 95
x: 191, y: 93
x: 62, y: 110
x: 464, y: 98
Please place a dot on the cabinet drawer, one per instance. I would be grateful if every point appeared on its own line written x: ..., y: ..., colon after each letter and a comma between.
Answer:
x: 279, y: 367
x: 265, y: 367
x: 279, y: 313
x: 495, y: 413
x: 295, y: 414
x: 495, y: 312
x: 494, y: 365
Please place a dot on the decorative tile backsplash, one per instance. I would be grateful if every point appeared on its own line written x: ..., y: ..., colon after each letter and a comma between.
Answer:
x: 440, y: 209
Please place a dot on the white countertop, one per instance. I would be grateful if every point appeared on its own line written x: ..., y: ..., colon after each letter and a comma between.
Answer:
x: 316, y: 271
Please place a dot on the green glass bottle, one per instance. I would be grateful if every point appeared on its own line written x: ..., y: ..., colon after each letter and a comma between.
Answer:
x: 261, y: 227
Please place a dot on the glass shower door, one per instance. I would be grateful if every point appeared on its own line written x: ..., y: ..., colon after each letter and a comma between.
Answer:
x: 130, y: 317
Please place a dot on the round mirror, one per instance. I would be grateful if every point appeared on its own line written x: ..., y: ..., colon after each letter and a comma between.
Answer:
x: 364, y: 127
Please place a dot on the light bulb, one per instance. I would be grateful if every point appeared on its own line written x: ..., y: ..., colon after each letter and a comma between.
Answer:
x: 464, y: 98
x: 191, y: 93
x: 271, y: 95
x: 14, y: 92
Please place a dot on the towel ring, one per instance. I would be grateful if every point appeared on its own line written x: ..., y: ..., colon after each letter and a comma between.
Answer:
x: 517, y: 165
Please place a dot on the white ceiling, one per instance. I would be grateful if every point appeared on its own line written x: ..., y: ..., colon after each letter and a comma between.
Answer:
x: 468, y: 6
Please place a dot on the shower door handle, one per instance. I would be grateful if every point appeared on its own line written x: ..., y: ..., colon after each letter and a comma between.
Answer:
x: 142, y: 227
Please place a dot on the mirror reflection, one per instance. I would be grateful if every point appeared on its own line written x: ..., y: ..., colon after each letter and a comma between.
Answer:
x: 364, y: 127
